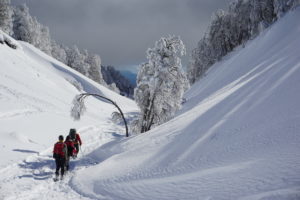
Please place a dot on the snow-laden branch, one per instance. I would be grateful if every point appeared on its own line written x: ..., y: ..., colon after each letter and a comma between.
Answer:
x: 78, y: 108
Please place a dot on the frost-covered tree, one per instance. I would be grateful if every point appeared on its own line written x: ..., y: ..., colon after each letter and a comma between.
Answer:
x: 282, y: 6
x: 113, y: 87
x: 85, y: 63
x: 244, y: 20
x: 76, y: 60
x: 94, y: 71
x: 43, y: 42
x: 161, y: 83
x: 6, y: 16
x: 58, y: 52
x: 24, y: 25
x: 28, y: 29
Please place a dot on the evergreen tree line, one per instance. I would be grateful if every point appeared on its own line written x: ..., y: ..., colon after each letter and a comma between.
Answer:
x: 244, y: 20
x: 18, y: 23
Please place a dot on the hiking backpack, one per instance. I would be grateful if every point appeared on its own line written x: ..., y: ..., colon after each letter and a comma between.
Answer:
x: 72, y: 134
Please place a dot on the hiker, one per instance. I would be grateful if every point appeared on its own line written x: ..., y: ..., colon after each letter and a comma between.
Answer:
x: 76, y: 139
x: 71, y: 151
x: 59, y: 153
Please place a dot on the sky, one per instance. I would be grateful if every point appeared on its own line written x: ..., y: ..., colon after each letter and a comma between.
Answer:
x: 121, y: 31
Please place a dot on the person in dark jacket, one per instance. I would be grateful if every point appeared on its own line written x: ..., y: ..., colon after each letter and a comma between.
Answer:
x: 70, y: 149
x: 76, y: 139
x: 59, y: 154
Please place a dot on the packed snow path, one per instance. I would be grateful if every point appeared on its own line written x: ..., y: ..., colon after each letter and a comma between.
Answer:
x: 32, y: 178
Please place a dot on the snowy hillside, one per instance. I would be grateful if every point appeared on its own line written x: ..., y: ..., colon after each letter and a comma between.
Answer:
x: 36, y: 93
x: 236, y: 137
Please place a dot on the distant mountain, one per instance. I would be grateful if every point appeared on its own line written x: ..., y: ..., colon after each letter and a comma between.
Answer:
x: 131, y: 76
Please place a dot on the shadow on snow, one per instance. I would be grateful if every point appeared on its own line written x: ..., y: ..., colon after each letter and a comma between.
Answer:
x: 42, y: 169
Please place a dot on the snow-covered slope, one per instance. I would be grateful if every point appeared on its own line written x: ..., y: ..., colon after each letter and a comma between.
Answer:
x: 36, y: 93
x: 237, y: 136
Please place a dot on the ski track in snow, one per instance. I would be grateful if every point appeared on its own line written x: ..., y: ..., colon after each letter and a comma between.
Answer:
x: 32, y: 178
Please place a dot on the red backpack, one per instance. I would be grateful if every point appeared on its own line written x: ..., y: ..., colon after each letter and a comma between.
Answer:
x: 70, y: 147
x: 60, y: 150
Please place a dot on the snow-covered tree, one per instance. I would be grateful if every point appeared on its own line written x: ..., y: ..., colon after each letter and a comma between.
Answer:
x: 24, y: 24
x: 161, y: 83
x: 282, y: 6
x: 43, y: 42
x: 58, y: 52
x: 85, y: 63
x: 113, y: 87
x: 78, y: 107
x: 244, y: 20
x: 6, y: 16
x: 28, y: 29
x: 76, y: 60
x: 94, y: 71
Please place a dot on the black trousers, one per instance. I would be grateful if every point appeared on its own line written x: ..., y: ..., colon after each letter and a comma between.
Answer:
x: 60, y: 165
x: 67, y: 163
x: 76, y: 147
